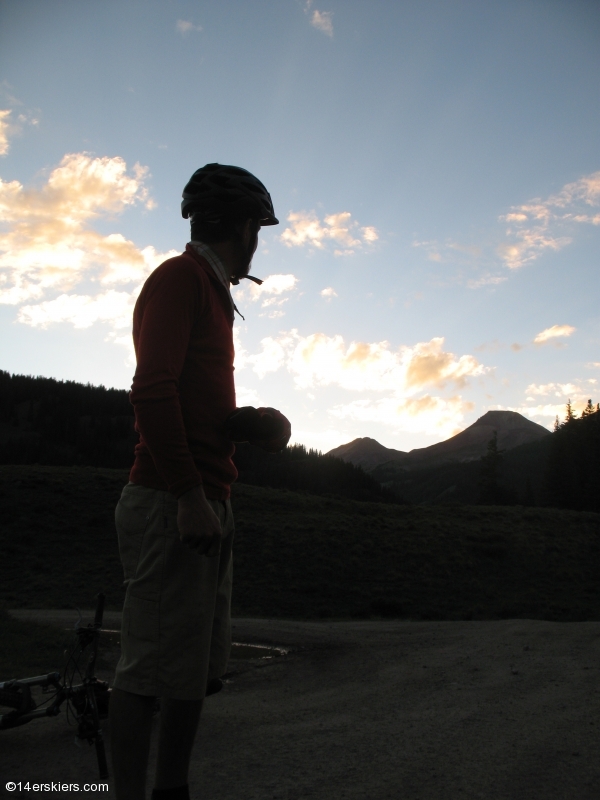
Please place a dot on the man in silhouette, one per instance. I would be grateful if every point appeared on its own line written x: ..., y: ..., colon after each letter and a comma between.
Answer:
x: 174, y: 518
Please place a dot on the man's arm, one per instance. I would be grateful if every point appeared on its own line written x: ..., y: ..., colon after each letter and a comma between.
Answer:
x: 163, y: 320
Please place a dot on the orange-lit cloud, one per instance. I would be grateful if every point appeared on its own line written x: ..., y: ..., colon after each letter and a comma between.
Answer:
x: 372, y: 368
x: 321, y: 360
x: 48, y: 245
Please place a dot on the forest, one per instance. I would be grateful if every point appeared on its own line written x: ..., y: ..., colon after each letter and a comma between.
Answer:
x: 63, y: 423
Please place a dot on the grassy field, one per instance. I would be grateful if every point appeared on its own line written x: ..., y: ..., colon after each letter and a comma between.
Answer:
x: 298, y: 555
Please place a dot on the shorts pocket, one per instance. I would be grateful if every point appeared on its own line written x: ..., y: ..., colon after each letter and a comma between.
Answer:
x: 141, y: 619
x: 132, y: 519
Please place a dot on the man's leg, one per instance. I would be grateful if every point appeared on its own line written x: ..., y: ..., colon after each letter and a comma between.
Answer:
x: 178, y: 725
x: 130, y: 729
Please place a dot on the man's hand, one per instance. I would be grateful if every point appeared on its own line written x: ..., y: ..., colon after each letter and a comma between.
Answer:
x: 199, y: 526
x: 264, y: 427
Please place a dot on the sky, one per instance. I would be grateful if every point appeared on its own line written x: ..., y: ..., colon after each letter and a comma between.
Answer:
x: 434, y: 164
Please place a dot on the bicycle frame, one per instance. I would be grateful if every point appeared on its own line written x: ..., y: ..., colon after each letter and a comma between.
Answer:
x: 89, y: 700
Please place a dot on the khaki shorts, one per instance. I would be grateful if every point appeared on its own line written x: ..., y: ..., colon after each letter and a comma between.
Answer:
x: 176, y: 629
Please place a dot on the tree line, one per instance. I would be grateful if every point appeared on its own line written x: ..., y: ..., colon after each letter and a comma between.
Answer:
x: 65, y: 423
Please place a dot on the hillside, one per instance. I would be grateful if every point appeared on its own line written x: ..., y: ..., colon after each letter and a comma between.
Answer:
x: 302, y: 556
x: 521, y: 474
x: 469, y: 445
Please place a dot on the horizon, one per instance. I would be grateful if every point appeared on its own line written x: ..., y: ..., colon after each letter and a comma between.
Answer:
x: 434, y: 167
x: 296, y: 443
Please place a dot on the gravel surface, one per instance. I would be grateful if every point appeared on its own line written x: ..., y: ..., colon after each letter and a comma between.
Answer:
x: 502, y: 710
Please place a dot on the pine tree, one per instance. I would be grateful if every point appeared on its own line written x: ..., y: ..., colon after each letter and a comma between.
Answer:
x: 574, y: 461
x: 589, y: 409
x: 490, y: 493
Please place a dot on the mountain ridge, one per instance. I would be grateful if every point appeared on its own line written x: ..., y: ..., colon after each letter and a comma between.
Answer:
x: 469, y: 445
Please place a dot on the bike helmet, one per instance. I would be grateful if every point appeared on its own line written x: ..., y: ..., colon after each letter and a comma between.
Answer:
x: 219, y: 188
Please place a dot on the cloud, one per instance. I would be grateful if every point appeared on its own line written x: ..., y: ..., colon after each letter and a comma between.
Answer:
x: 556, y: 389
x: 541, y: 225
x: 273, y: 285
x: 321, y: 360
x: 47, y: 244
x: 486, y: 280
x: 4, y: 131
x: 184, y: 27
x: 554, y: 332
x: 81, y: 311
x: 392, y: 381
x: 247, y: 397
x: 328, y: 293
x: 322, y: 21
x: 306, y: 229
x: 531, y: 230
x: 426, y: 414
x: 11, y: 127
x: 269, y: 293
x: 556, y: 396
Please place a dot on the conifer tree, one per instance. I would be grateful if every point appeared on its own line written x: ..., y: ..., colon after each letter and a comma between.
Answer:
x: 571, y: 479
x: 589, y: 409
x: 490, y: 493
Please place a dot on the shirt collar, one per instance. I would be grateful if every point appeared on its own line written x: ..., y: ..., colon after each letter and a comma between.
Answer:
x: 217, y: 267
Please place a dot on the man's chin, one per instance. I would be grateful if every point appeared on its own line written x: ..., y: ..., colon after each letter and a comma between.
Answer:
x: 242, y: 272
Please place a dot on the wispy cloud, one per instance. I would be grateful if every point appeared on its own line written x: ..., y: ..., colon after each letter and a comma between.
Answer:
x: 321, y: 20
x: 4, y: 130
x: 531, y: 230
x: 11, y: 125
x: 486, y: 280
x: 306, y: 230
x: 48, y: 245
x: 541, y: 225
x: 184, y: 27
x: 556, y: 331
x: 328, y: 293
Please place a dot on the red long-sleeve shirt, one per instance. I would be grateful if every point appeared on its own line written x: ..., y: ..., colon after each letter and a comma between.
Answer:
x: 183, y: 389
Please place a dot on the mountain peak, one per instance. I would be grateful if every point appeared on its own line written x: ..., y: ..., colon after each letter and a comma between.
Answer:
x: 506, y: 420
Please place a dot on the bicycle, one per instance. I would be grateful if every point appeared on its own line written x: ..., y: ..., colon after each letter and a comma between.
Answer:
x: 88, y: 700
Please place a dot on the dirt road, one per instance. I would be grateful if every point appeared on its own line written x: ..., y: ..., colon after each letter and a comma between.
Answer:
x: 503, y: 710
